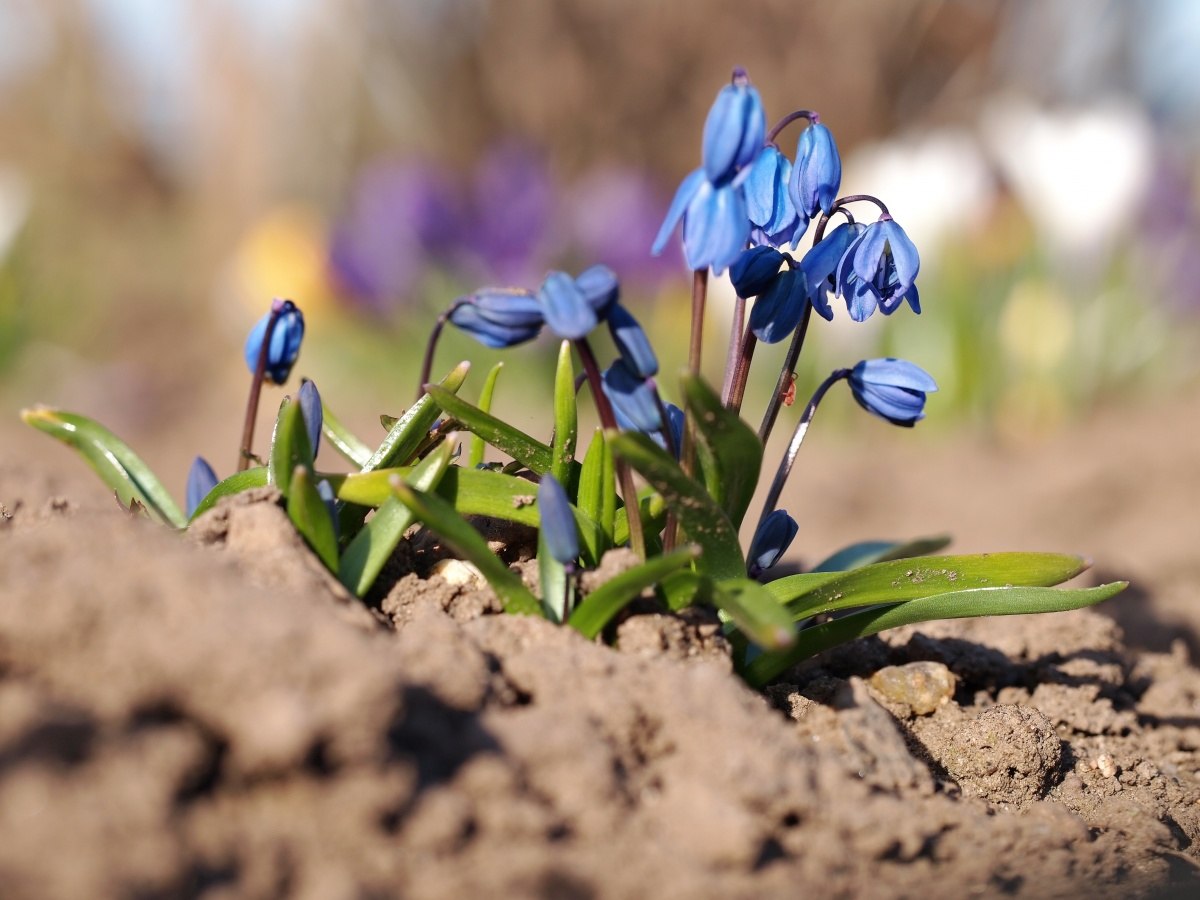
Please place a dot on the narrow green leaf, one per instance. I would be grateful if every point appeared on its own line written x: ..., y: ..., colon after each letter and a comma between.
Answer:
x: 687, y: 588
x: 598, y: 607
x: 755, y: 611
x: 653, y: 510
x: 234, y: 484
x: 289, y: 447
x: 598, y: 486
x: 366, y: 555
x: 729, y: 450
x: 111, y: 458
x: 990, y: 601
x: 704, y: 522
x: 527, y: 450
x: 867, y: 552
x: 440, y: 517
x: 410, y: 431
x: 566, y: 421
x: 341, y: 438
x: 475, y: 456
x: 908, y: 579
x: 553, y: 581
x: 310, y: 515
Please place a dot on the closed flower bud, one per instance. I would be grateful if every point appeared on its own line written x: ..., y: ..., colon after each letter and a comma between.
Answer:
x: 772, y: 539
x: 565, y: 307
x: 778, y: 310
x: 632, y: 342
x: 314, y: 415
x: 600, y: 288
x: 734, y: 129
x: 754, y: 270
x: 201, y: 480
x: 285, y: 341
x: 893, y: 389
x: 817, y: 172
x: 557, y: 521
x: 634, y: 400
x: 498, y: 317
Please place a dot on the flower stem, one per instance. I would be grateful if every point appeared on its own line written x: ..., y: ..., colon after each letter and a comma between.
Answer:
x: 855, y: 198
x: 637, y: 539
x: 256, y: 382
x: 687, y: 455
x: 786, y: 374
x: 735, y: 342
x: 791, y: 117
x: 742, y: 372
x: 430, y: 349
x: 789, y: 458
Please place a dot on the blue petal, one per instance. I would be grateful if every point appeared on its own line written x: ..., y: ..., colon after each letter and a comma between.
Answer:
x: 285, y: 342
x: 778, y: 310
x: 898, y: 405
x: 868, y: 251
x: 723, y: 132
x: 557, y: 523
x: 771, y: 540
x: 821, y: 261
x: 631, y: 341
x: 600, y: 287
x: 683, y: 198
x: 761, y: 186
x: 861, y: 301
x: 309, y: 399
x: 715, y: 228
x: 514, y: 307
x: 895, y: 372
x: 903, y: 252
x: 817, y: 173
x: 567, y: 312
x: 634, y: 400
x: 201, y: 480
x: 675, y: 422
x: 754, y: 128
x: 914, y: 299
x: 754, y: 270
x: 475, y: 321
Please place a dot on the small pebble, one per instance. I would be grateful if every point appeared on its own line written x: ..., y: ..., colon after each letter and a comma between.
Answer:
x: 457, y: 572
x: 1106, y: 765
x: 923, y: 686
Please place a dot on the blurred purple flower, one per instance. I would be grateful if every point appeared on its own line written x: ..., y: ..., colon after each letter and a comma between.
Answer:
x: 512, y: 211
x: 613, y: 216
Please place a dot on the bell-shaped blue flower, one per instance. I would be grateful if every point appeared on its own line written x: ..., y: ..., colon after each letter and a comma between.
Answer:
x: 768, y: 200
x: 879, y: 270
x: 498, y: 317
x: 631, y: 341
x: 314, y: 414
x: 600, y: 288
x: 201, y: 480
x: 754, y: 270
x: 820, y: 264
x: 634, y: 400
x: 817, y: 172
x: 778, y: 309
x: 285, y: 341
x: 771, y: 540
x: 566, y: 308
x: 893, y: 389
x: 734, y: 129
x: 557, y: 521
x: 715, y: 228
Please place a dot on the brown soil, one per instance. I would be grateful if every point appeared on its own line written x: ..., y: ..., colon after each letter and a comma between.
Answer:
x: 213, y: 716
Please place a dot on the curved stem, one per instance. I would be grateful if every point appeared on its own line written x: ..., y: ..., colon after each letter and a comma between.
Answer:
x: 856, y: 198
x: 791, y: 117
x: 786, y: 373
x: 256, y: 382
x: 789, y: 458
x: 430, y: 349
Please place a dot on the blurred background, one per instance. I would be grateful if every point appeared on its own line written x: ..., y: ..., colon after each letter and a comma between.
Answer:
x: 168, y: 166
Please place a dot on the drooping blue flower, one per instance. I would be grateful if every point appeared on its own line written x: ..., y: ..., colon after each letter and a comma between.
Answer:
x: 771, y: 540
x: 498, y: 317
x: 715, y: 224
x: 314, y: 415
x: 817, y: 172
x: 557, y: 521
x: 734, y: 129
x: 820, y: 264
x: 878, y: 270
x: 769, y: 203
x: 285, y: 341
x: 600, y: 288
x: 631, y: 341
x: 893, y: 389
x: 634, y: 400
x: 565, y: 306
x: 754, y: 270
x: 778, y: 309
x: 201, y: 480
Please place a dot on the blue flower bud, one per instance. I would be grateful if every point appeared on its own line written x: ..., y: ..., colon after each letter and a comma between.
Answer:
x: 634, y: 400
x: 314, y: 415
x: 879, y: 270
x: 565, y: 307
x: 772, y: 539
x: 557, y: 521
x: 768, y: 200
x: 201, y: 480
x: 600, y: 288
x: 676, y: 422
x: 734, y: 129
x: 754, y: 270
x: 285, y: 341
x: 892, y: 389
x: 820, y: 264
x: 817, y: 173
x: 778, y: 309
x: 632, y: 342
x: 498, y: 317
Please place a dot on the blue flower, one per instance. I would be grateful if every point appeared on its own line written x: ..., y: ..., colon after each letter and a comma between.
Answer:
x: 201, y: 480
x: 820, y: 264
x: 754, y: 270
x: 676, y: 421
x: 768, y: 200
x: 892, y: 389
x: 734, y: 129
x: 778, y: 309
x: 817, y: 174
x: 634, y: 400
x: 557, y: 521
x: 878, y: 271
x: 600, y: 288
x: 566, y: 308
x: 285, y: 341
x: 309, y: 399
x: 772, y: 538
x: 498, y: 317
x: 631, y: 341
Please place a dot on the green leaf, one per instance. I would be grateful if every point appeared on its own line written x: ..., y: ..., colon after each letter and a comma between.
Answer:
x: 990, y: 601
x: 234, y: 484
x: 310, y: 515
x: 863, y: 554
x: 112, y: 459
x: 704, y: 522
x: 410, y: 431
x: 755, y: 611
x: 598, y: 607
x: 729, y: 450
x: 598, y: 486
x: 289, y: 447
x: 687, y: 588
x: 475, y: 456
x: 440, y: 517
x: 343, y: 440
x: 529, y: 451
x: 554, y: 582
x: 908, y: 579
x: 566, y: 421
x: 366, y: 555
x: 653, y: 511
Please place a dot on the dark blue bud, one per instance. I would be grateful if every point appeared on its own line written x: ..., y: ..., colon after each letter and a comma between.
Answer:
x: 676, y: 422
x: 893, y: 389
x: 715, y: 228
x: 201, y: 480
x: 285, y: 341
x: 632, y: 342
x: 565, y: 307
x: 768, y: 200
x: 498, y: 317
x: 734, y: 129
x: 774, y: 535
x: 778, y: 309
x: 600, y: 288
x: 634, y: 400
x: 754, y: 270
x: 314, y: 415
x: 817, y: 173
x: 557, y: 521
